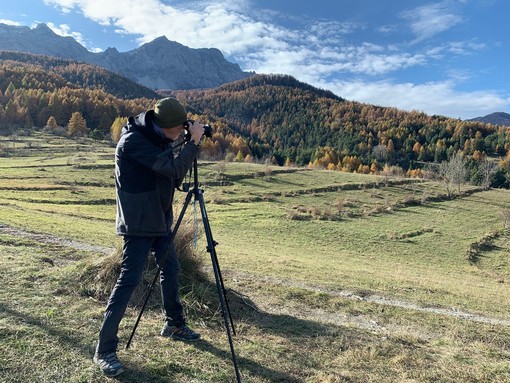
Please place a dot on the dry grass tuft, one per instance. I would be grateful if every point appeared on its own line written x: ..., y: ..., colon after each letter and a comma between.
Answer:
x: 97, y: 279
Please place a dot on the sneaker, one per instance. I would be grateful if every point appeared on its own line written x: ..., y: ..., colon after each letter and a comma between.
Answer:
x: 183, y: 333
x: 109, y: 363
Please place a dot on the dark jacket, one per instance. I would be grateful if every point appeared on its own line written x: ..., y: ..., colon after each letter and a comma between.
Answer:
x: 146, y: 175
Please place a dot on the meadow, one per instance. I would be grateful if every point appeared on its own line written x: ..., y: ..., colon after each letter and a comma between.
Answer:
x: 331, y: 276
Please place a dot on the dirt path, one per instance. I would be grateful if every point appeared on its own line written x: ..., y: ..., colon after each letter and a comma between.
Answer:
x: 51, y: 239
x: 302, y: 313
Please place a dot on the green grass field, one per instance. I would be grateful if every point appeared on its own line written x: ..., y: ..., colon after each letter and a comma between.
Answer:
x: 334, y: 277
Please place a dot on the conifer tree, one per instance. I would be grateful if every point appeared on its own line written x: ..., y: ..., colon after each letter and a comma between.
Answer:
x: 248, y: 158
x: 51, y: 125
x: 77, y: 125
x: 239, y: 156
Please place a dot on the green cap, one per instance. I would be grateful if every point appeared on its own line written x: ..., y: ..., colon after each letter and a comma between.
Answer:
x: 169, y: 112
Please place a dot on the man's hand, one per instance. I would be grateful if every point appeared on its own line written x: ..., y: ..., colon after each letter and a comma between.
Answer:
x: 197, y: 131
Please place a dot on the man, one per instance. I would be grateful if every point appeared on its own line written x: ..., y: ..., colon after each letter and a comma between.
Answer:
x: 146, y: 174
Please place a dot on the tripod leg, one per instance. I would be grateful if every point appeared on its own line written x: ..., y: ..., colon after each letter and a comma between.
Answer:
x: 219, y: 280
x: 151, y: 286
x: 211, y: 248
x: 224, y: 291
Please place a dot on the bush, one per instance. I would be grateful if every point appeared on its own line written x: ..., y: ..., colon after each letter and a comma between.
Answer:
x: 96, y: 134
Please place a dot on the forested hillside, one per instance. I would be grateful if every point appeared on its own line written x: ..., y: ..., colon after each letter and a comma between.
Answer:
x: 34, y: 88
x: 291, y: 122
x: 265, y: 117
x: 79, y: 74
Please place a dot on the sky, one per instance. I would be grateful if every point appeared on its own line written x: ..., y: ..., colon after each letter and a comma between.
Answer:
x: 446, y: 57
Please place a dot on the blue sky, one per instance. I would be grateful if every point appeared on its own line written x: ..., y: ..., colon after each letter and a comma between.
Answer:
x: 447, y: 57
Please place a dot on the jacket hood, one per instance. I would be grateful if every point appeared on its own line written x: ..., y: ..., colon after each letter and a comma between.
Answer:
x: 145, y: 125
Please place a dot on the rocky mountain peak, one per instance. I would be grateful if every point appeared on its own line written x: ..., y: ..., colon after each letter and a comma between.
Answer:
x: 43, y: 28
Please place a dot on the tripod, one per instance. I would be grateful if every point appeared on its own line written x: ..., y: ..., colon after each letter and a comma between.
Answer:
x: 197, y: 193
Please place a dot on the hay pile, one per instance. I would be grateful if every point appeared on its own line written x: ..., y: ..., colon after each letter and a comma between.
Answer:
x: 98, y: 278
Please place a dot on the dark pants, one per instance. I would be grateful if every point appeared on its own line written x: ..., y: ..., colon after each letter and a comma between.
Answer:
x: 135, y: 254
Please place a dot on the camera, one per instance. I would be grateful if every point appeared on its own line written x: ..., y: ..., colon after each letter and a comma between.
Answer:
x: 207, y: 129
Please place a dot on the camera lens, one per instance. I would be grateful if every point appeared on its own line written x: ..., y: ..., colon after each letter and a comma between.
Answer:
x: 207, y: 131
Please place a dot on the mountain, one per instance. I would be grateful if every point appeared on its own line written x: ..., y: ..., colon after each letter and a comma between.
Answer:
x: 498, y: 118
x: 41, y: 40
x: 160, y: 64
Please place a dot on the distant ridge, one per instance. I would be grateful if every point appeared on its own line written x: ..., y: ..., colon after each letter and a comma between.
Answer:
x: 160, y: 64
x: 497, y: 118
x: 64, y: 72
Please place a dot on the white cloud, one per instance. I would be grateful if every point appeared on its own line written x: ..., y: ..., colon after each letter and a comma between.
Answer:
x: 216, y: 25
x: 433, y: 98
x: 10, y: 22
x: 331, y: 32
x: 387, y: 28
x: 312, y: 65
x: 429, y: 20
x: 460, y: 48
x: 65, y: 5
x: 65, y: 30
x: 465, y: 47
